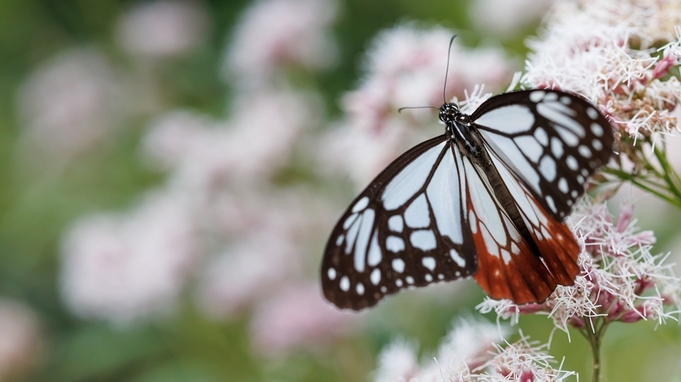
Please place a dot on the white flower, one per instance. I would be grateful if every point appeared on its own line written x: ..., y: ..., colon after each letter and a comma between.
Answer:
x: 125, y: 267
x: 72, y: 104
x: 506, y: 17
x: 275, y: 33
x: 162, y: 28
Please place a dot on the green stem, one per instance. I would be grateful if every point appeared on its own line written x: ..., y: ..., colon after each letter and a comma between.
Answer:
x: 594, y: 337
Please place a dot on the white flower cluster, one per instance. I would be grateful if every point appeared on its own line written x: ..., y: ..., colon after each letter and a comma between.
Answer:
x: 616, y: 53
x: 470, y: 353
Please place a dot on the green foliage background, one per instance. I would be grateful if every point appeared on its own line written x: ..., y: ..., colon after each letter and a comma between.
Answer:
x: 36, y: 207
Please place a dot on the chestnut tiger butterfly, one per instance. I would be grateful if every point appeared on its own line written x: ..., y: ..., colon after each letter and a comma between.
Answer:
x: 485, y: 199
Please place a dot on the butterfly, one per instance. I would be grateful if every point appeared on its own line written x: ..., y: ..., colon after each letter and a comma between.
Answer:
x: 486, y: 199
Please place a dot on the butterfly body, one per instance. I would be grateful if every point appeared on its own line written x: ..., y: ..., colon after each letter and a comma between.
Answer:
x: 485, y: 199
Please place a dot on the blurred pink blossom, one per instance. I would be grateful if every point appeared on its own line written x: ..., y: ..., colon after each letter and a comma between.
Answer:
x: 471, y: 352
x: 274, y: 33
x: 162, y: 28
x: 505, y: 18
x: 405, y: 66
x: 72, y: 104
x: 248, y: 271
x: 297, y: 316
x: 21, y: 342
x: 122, y: 267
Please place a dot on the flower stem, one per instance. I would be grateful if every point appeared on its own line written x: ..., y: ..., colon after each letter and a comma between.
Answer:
x: 594, y: 335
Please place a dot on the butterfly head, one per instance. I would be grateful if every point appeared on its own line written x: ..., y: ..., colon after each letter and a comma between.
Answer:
x: 450, y: 113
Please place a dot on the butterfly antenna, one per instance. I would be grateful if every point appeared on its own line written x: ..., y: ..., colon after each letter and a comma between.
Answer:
x: 449, y: 56
x: 416, y: 107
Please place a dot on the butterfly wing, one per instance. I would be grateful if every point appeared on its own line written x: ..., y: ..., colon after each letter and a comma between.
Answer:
x: 551, y: 140
x: 520, y: 260
x: 406, y: 229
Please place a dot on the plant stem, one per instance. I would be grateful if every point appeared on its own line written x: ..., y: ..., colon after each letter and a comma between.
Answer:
x: 594, y: 335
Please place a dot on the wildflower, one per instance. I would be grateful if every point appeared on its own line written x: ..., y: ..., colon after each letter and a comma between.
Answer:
x: 122, y: 268
x: 162, y: 28
x: 471, y: 353
x: 278, y: 33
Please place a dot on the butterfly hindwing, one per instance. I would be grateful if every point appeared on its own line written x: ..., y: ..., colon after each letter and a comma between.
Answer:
x: 404, y: 230
x: 520, y: 261
x: 553, y: 141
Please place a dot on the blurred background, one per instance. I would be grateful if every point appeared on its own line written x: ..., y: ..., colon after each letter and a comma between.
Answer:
x: 171, y: 171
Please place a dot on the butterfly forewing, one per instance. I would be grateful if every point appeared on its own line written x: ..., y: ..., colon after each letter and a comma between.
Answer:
x: 553, y: 141
x: 404, y: 230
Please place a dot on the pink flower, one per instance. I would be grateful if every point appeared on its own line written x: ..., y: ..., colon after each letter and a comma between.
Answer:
x: 276, y: 33
x: 297, y: 316
x: 162, y: 28
x: 21, y: 340
x: 122, y: 268
x: 71, y: 104
x: 405, y: 67
x: 506, y: 18
x: 250, y: 270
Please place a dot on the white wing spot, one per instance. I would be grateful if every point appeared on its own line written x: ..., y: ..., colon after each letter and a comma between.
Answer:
x: 460, y: 261
x: 572, y: 162
x: 384, y: 289
x: 550, y: 203
x: 367, y: 224
x: 349, y: 221
x: 551, y: 97
x: 399, y: 283
x: 375, y: 255
x: 457, y: 274
x: 428, y: 277
x: 515, y: 249
x: 563, y: 185
x: 565, y: 100
x: 395, y: 223
x: 440, y: 276
x: 530, y: 147
x: 398, y: 265
x: 541, y: 136
x: 423, y: 239
x: 593, y: 114
x: 537, y: 95
x: 417, y: 214
x: 574, y: 193
x: 375, y: 276
x: 580, y: 179
x: 360, y: 289
x: 511, y: 119
x: 394, y: 244
x: 410, y: 180
x: 584, y: 151
x: 410, y: 280
x: 547, y: 167
x: 331, y: 273
x: 428, y: 262
x: 474, y: 221
x: 505, y: 256
x: 556, y: 147
x: 596, y: 144
x: 345, y: 284
x: 585, y: 172
x: 597, y: 129
x: 339, y: 240
x: 361, y: 204
x: 492, y: 246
